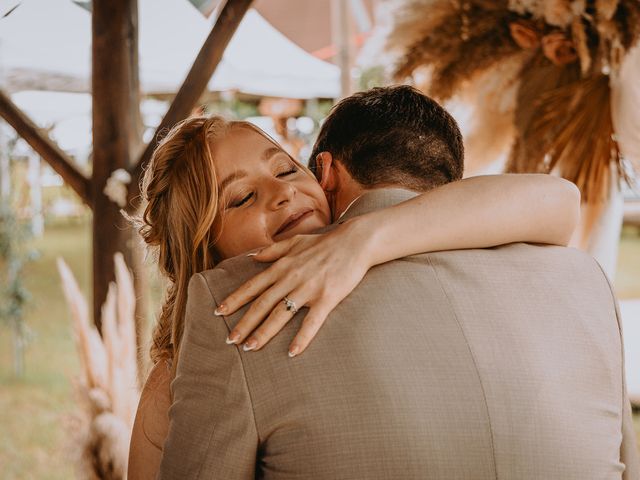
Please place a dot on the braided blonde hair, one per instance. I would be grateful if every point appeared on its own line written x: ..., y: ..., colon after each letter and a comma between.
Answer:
x: 179, y: 187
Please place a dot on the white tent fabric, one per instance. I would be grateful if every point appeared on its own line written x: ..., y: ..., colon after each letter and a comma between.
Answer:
x: 261, y: 60
x: 46, y: 44
x: 68, y: 115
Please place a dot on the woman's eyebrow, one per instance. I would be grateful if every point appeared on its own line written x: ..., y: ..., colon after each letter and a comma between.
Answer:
x: 270, y: 152
x: 237, y: 175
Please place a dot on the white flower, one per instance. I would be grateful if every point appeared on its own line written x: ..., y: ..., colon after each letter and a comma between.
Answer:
x: 116, y: 188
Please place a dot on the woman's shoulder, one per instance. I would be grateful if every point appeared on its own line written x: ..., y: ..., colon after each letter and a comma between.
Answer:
x: 155, y: 401
x: 152, y: 422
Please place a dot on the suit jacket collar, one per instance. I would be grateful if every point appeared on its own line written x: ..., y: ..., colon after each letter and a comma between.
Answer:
x: 376, y: 199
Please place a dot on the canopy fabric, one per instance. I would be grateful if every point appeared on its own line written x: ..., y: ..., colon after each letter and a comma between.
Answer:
x: 261, y: 60
x: 46, y: 45
x: 67, y: 116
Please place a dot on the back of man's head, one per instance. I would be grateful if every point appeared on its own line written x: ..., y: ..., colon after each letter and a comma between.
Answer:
x: 393, y: 136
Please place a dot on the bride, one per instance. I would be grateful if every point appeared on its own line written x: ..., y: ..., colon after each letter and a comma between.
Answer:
x: 194, y: 220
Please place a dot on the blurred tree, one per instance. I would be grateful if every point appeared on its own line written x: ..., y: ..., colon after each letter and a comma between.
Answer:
x: 13, y: 295
x: 13, y: 256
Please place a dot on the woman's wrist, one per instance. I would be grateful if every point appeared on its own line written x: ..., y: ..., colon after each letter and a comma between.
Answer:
x: 366, y: 239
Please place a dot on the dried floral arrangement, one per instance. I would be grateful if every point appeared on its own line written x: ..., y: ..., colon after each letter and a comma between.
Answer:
x: 108, y: 389
x: 537, y: 72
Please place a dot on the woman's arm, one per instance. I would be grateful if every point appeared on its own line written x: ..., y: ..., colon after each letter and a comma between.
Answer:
x: 476, y: 212
x: 151, y: 424
x: 318, y: 271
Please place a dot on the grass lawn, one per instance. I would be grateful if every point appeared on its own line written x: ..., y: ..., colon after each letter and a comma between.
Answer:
x: 35, y: 411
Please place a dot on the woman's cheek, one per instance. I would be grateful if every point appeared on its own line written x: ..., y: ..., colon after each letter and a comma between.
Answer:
x: 254, y: 232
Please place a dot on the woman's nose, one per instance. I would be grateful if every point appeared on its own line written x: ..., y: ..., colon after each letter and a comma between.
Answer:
x: 281, y: 194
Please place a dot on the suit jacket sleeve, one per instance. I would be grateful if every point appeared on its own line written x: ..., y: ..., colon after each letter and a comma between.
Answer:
x: 212, y: 431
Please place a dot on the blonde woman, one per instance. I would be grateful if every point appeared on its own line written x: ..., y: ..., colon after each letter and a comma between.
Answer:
x: 215, y: 189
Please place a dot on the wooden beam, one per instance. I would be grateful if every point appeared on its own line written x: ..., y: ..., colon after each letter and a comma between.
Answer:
x: 114, y: 88
x: 46, y: 148
x: 196, y: 81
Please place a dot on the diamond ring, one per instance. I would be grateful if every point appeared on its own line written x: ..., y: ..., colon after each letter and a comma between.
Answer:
x: 291, y: 305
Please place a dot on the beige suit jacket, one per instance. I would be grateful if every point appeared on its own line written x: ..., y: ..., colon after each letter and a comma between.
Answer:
x: 501, y: 363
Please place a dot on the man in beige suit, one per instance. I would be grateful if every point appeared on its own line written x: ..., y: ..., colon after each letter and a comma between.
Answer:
x: 472, y: 364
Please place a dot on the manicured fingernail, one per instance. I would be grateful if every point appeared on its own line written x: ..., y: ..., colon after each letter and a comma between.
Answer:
x: 220, y: 310
x: 293, y: 352
x: 249, y: 345
x: 252, y: 254
x: 232, y: 339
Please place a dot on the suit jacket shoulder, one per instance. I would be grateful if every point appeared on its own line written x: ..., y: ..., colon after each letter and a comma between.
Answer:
x: 211, y: 410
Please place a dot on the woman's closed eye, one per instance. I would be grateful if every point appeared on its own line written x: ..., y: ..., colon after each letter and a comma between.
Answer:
x: 238, y: 202
x: 287, y: 172
x: 241, y: 201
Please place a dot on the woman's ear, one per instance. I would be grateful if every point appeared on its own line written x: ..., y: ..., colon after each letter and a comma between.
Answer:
x: 326, y: 171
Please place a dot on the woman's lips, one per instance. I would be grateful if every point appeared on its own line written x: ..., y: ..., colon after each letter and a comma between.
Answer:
x: 293, y: 221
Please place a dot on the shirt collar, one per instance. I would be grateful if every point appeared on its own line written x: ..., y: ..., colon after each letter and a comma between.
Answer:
x: 376, y: 199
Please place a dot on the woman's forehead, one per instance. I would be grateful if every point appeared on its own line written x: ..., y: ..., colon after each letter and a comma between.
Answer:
x: 243, y: 148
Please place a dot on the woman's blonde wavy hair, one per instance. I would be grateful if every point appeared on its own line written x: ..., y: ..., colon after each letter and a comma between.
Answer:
x: 180, y: 191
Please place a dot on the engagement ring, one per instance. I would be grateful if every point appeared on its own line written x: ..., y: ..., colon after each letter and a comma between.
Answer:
x: 291, y: 305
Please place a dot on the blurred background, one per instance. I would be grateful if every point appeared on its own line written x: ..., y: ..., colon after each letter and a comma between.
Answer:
x: 537, y: 86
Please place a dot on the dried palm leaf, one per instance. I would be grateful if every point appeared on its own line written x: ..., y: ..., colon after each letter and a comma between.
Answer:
x: 538, y: 76
x: 92, y: 353
x: 588, y: 117
x: 415, y: 19
x: 606, y: 8
x: 570, y: 128
x: 108, y: 403
x: 580, y: 43
x: 108, y: 445
x: 456, y: 48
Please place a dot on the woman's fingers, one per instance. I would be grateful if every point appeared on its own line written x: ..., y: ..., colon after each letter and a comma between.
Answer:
x: 311, y: 324
x: 258, y: 311
x: 275, y: 322
x: 258, y: 284
x: 275, y: 251
x: 248, y: 291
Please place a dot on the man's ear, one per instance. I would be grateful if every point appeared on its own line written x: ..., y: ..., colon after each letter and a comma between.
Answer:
x: 326, y: 171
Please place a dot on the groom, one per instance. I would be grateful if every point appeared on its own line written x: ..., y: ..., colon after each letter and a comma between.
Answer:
x: 472, y: 364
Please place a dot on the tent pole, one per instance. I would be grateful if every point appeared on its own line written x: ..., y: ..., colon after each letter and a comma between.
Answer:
x: 196, y: 81
x: 114, y: 88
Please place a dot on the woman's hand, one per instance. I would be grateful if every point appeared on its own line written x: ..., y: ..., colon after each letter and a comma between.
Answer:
x: 314, y: 271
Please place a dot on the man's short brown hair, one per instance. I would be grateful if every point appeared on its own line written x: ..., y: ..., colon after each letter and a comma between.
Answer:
x: 393, y: 136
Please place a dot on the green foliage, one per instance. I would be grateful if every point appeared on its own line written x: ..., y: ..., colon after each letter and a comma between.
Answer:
x: 13, y: 295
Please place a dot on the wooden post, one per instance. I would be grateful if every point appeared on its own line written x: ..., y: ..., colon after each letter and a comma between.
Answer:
x: 114, y: 87
x: 197, y: 79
